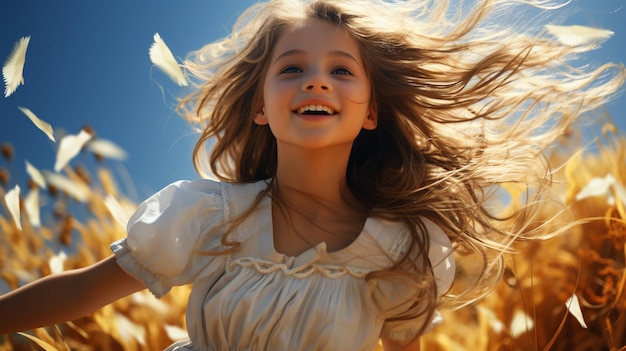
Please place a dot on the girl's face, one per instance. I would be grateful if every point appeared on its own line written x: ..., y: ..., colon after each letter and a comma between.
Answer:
x: 316, y: 90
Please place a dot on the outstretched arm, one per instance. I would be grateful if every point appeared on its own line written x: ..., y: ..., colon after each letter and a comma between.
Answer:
x: 65, y: 296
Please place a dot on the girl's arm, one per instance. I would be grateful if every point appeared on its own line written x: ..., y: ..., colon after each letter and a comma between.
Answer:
x: 65, y: 296
x: 392, y: 345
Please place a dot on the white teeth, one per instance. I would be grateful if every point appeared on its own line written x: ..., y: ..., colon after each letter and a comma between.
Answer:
x: 313, y: 108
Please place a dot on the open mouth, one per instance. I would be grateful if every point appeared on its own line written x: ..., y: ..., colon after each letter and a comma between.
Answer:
x: 319, y: 110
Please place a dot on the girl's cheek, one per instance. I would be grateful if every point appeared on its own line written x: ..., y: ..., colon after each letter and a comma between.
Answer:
x: 285, y: 85
x: 358, y: 92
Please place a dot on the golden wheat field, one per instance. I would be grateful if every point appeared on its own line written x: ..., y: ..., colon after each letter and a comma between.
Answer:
x: 565, y: 293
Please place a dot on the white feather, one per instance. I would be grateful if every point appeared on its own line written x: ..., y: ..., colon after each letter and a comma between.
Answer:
x: 578, y: 35
x: 118, y: 212
x: 14, y: 67
x: 147, y: 299
x: 35, y: 175
x: 31, y: 205
x: 573, y: 306
x: 606, y: 187
x: 12, y: 199
x: 129, y: 330
x: 520, y: 324
x: 107, y: 148
x: 77, y: 190
x: 57, y: 262
x: 175, y: 333
x: 163, y: 58
x: 39, y: 123
x: 69, y: 147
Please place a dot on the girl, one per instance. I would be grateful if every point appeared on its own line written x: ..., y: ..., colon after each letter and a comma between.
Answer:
x: 357, y: 144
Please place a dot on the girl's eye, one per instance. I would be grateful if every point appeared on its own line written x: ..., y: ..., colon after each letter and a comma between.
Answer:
x: 342, y: 71
x: 291, y: 69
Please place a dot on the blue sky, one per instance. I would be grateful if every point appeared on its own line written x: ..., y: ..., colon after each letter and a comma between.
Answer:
x: 88, y: 64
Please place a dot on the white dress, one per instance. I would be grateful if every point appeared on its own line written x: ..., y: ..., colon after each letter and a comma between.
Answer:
x: 257, y: 298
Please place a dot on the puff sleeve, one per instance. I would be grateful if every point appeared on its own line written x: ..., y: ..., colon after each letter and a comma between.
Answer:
x: 442, y: 260
x: 168, y: 230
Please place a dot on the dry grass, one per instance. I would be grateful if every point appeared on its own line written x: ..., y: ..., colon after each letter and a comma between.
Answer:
x: 527, y: 310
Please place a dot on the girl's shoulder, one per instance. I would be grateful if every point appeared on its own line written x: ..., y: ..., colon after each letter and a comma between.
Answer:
x: 440, y: 248
x: 187, y: 193
x: 239, y: 197
x: 170, y: 228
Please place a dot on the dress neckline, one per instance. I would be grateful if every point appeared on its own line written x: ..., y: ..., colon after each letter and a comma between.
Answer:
x: 315, y: 251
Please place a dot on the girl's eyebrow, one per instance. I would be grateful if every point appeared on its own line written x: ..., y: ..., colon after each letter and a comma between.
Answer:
x: 339, y: 53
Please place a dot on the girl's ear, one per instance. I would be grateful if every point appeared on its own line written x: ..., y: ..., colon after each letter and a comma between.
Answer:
x: 371, y: 120
x: 260, y: 117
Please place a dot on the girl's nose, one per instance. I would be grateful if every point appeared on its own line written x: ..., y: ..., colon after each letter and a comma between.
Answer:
x: 316, y: 82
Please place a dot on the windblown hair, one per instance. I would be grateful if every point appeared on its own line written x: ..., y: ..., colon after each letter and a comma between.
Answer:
x: 466, y: 105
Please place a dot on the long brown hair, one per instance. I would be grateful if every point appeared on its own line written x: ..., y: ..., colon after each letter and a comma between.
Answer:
x: 465, y: 106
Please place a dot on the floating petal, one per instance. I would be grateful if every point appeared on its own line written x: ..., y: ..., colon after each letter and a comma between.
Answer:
x: 163, y: 58
x: 69, y: 147
x: 31, y: 204
x: 573, y: 306
x: 120, y: 215
x: 578, y: 35
x: 597, y: 187
x: 620, y: 191
x: 130, y: 330
x: 41, y: 124
x: 35, y: 175
x: 521, y: 324
x: 57, y: 262
x: 175, y: 333
x: 491, y: 318
x: 147, y: 299
x: 107, y: 148
x: 77, y: 190
x: 12, y: 199
x: 14, y: 67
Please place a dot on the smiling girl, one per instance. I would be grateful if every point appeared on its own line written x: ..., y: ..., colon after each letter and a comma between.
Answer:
x: 356, y: 144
